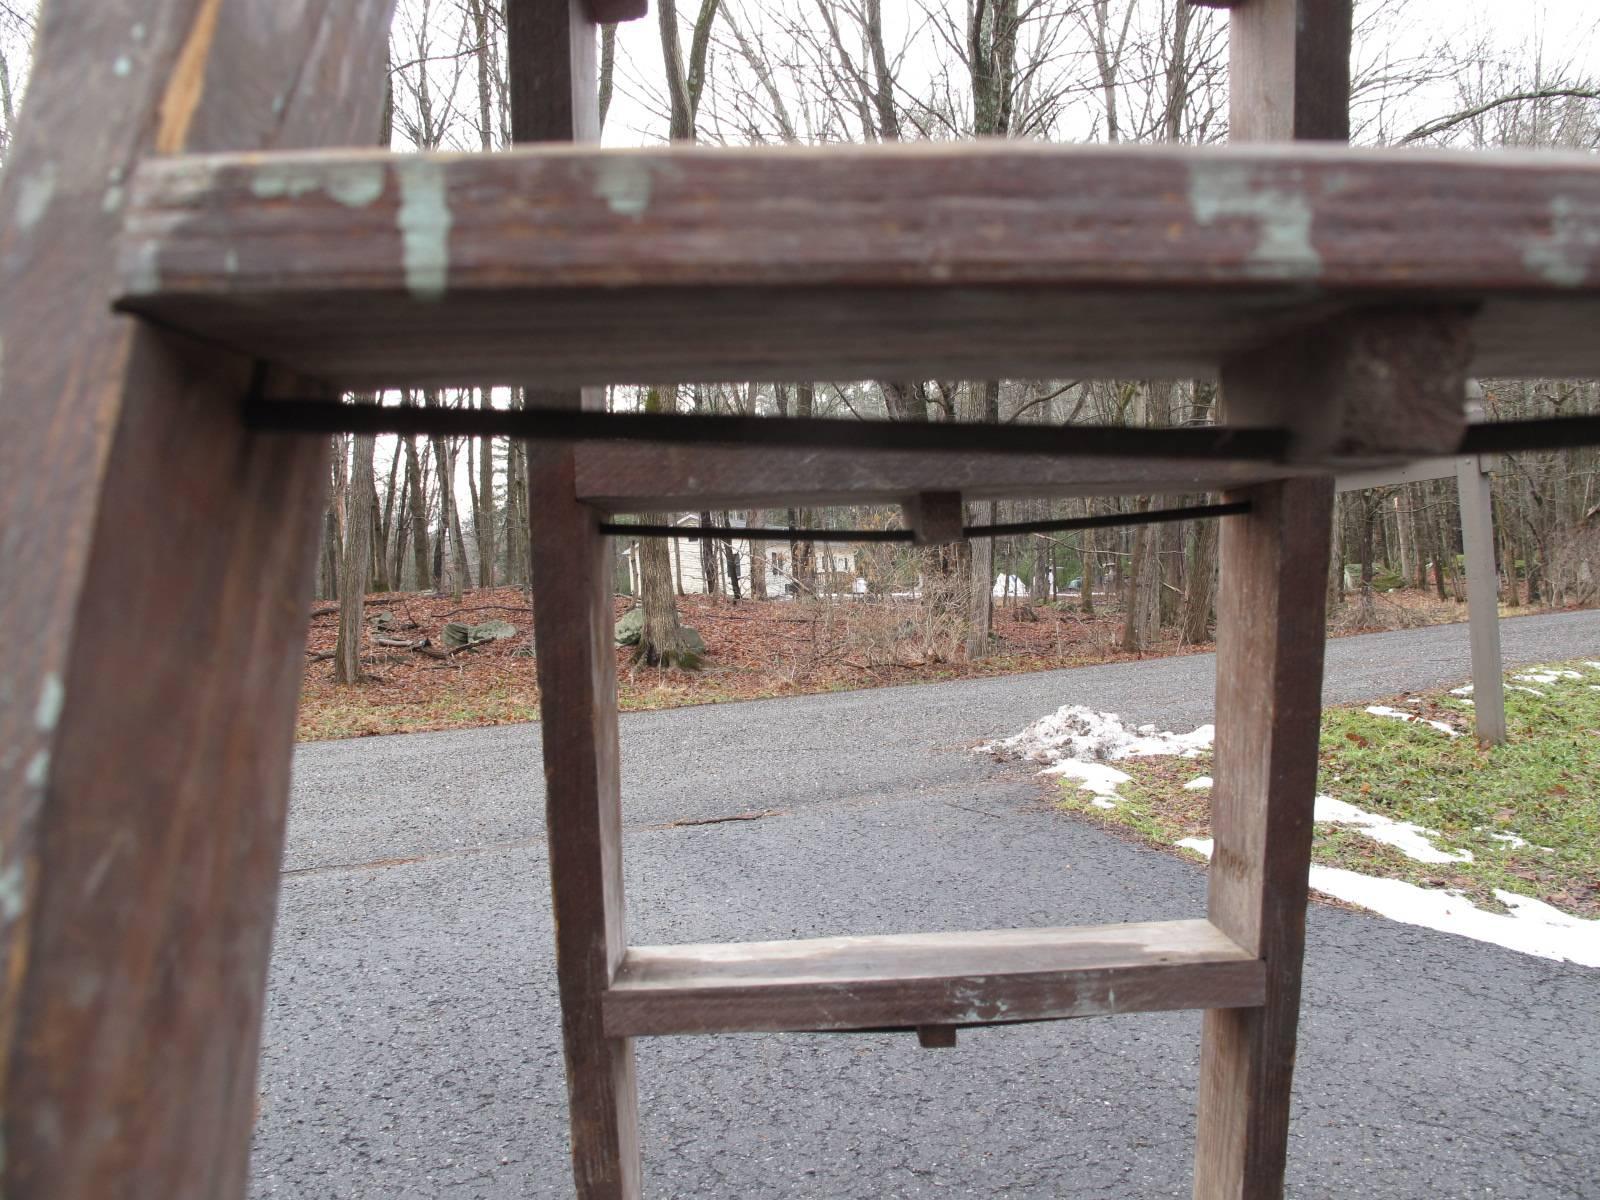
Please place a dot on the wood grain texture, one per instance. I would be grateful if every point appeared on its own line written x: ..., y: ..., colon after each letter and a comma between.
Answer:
x: 968, y: 259
x: 551, y: 52
x: 622, y: 477
x: 910, y: 980
x: 143, y: 780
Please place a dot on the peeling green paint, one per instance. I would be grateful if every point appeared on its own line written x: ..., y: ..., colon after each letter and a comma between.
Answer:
x: 1564, y: 257
x: 34, y: 195
x: 424, y: 221
x: 51, y: 698
x: 624, y: 183
x: 1283, y: 249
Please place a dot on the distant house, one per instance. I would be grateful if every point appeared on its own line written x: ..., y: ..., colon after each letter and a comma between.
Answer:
x: 835, y: 564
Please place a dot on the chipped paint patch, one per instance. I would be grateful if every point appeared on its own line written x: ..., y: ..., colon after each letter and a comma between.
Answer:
x: 625, y: 185
x: 122, y: 67
x: 143, y: 273
x: 230, y: 262
x: 424, y: 221
x: 1283, y: 248
x: 13, y: 892
x: 1563, y: 258
x: 34, y: 195
x: 38, y: 770
x: 51, y: 698
x: 354, y: 185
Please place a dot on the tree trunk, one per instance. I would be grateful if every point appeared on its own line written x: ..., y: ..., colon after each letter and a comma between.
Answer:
x: 758, y: 559
x: 357, y: 562
x: 483, y: 517
x: 661, y: 642
x: 1199, y: 596
x: 419, y: 518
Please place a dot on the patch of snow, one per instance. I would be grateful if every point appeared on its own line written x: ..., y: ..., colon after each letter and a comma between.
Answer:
x: 1546, y: 675
x: 1510, y: 839
x: 1410, y: 839
x: 1512, y: 687
x: 1532, y: 926
x: 1595, y: 665
x: 1383, y: 710
x: 1462, y: 691
x: 1076, y: 733
x: 1094, y: 777
x: 1102, y: 802
x: 1194, y: 785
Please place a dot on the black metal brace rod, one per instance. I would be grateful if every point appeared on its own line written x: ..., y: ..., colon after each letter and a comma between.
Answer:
x: 1193, y: 512
x: 1197, y: 442
x: 1182, y: 442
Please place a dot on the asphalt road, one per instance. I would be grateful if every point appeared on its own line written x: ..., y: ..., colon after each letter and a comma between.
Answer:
x: 412, y: 1046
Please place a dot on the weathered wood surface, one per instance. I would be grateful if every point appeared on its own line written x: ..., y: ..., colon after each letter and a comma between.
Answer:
x: 606, y: 12
x: 910, y: 980
x: 551, y: 48
x: 628, y: 477
x: 965, y: 260
x: 1270, y: 612
x: 935, y: 518
x: 143, y: 780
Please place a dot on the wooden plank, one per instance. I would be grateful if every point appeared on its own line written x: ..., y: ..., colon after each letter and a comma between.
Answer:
x: 607, y: 12
x: 624, y: 477
x: 551, y: 49
x: 910, y: 980
x: 144, y: 776
x: 966, y: 259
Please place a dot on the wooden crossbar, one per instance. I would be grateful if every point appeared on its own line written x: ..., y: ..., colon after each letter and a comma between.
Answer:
x: 910, y: 980
x: 576, y: 265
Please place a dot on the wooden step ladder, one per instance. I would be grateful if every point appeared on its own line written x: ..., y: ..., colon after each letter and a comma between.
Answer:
x: 158, y: 524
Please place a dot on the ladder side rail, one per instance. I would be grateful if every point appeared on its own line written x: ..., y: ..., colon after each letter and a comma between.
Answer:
x: 1289, y: 79
x: 158, y: 564
x: 554, y: 79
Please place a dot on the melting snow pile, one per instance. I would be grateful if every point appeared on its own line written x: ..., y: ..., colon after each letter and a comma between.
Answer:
x: 1383, y: 710
x: 1080, y: 743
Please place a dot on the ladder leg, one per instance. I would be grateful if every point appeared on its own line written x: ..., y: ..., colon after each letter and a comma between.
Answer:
x: 578, y: 703
x: 155, y: 570
x: 1269, y: 681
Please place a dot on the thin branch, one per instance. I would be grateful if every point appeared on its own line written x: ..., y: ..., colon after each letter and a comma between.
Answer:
x: 1454, y: 119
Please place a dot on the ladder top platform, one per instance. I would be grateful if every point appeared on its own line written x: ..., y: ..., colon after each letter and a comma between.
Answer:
x: 561, y: 265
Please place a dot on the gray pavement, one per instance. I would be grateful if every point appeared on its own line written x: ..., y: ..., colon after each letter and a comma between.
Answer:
x: 412, y: 1045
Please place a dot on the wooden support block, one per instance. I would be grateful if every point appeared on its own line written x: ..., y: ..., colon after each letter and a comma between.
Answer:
x: 144, y: 777
x: 1371, y: 386
x: 936, y: 1037
x: 911, y: 980
x: 935, y: 518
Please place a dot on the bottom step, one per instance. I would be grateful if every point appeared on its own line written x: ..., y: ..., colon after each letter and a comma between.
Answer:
x: 905, y: 980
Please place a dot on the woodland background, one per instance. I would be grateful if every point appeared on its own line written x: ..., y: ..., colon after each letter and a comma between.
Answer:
x: 447, y: 515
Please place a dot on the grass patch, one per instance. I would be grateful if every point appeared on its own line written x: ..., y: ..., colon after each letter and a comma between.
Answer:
x: 1541, y: 789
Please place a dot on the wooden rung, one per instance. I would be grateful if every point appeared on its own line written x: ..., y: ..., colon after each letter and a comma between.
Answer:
x: 620, y: 477
x: 929, y: 979
x: 966, y: 260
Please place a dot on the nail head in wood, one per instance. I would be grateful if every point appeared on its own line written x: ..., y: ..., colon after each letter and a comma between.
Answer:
x: 935, y: 518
